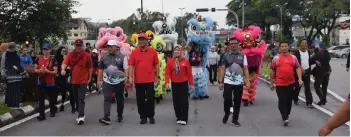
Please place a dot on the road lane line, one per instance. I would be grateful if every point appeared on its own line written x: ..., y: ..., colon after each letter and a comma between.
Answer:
x: 313, y: 104
x: 333, y: 93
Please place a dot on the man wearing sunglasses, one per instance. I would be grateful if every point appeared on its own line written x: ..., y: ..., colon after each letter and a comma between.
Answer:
x: 81, y: 69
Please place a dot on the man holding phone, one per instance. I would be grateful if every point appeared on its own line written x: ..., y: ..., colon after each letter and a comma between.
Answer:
x: 232, y: 71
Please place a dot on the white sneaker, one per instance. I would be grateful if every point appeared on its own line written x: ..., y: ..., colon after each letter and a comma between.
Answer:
x: 179, y: 122
x: 81, y: 120
x: 183, y: 123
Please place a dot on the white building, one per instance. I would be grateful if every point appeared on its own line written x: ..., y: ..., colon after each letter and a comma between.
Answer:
x: 341, y: 33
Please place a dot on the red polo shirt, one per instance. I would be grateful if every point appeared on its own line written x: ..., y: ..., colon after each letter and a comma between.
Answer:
x: 285, y: 66
x: 81, y: 63
x: 144, y: 64
x: 185, y: 73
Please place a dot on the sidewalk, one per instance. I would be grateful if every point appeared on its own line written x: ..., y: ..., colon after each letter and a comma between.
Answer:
x: 27, y: 110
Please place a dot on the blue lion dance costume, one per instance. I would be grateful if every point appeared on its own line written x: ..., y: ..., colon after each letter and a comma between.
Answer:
x: 200, y: 38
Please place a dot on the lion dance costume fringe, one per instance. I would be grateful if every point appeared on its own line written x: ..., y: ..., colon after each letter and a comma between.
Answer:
x: 254, y: 49
x: 200, y: 38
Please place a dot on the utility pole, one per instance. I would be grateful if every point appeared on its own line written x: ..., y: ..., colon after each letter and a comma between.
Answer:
x: 243, y: 16
x: 181, y: 17
x: 141, y: 10
x: 162, y: 5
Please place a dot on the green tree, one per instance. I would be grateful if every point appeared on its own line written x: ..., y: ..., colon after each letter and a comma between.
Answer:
x: 36, y: 19
x: 182, y: 25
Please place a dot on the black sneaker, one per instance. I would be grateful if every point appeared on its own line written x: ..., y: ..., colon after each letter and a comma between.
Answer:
x: 143, y: 121
x: 105, y: 120
x: 251, y: 102
x: 119, y: 119
x: 321, y: 103
x: 62, y: 108
x: 52, y: 114
x: 152, y: 120
x: 246, y: 103
x: 225, y: 119
x: 296, y: 102
x: 286, y: 123
x: 41, y: 118
x: 309, y: 106
x: 236, y: 123
x: 206, y: 96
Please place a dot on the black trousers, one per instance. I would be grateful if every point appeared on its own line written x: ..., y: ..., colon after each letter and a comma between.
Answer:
x: 79, y: 91
x: 306, y: 81
x: 62, y: 87
x: 285, y: 98
x: 322, y: 79
x: 228, y: 93
x: 145, y: 91
x: 51, y: 93
x: 13, y: 94
x: 180, y: 100
x: 118, y: 89
x: 212, y: 70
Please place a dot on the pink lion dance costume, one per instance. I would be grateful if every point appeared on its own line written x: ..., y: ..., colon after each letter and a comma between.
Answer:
x: 254, y: 52
x: 106, y: 34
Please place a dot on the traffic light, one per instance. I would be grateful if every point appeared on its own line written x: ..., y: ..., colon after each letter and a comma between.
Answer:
x: 202, y: 10
x: 213, y: 9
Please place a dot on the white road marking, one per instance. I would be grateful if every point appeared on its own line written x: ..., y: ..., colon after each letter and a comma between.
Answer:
x: 313, y: 104
x: 31, y: 117
x: 332, y: 93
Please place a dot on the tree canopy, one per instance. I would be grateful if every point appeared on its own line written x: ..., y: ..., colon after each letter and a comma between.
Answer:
x: 35, y: 19
x: 317, y: 15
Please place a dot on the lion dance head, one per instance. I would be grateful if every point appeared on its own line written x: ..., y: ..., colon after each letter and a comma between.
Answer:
x: 106, y: 34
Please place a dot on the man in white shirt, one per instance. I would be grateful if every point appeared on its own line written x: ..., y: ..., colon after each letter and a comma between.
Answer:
x: 212, y: 60
x: 303, y: 56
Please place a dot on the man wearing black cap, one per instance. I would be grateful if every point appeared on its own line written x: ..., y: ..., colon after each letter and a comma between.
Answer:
x: 81, y: 69
x: 113, y: 74
x: 142, y: 65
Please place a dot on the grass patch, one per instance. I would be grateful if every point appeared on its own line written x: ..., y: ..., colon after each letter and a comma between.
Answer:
x: 27, y: 103
x: 4, y: 109
x: 265, y: 70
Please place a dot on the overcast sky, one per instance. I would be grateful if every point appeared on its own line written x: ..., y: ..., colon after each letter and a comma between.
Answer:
x: 118, y: 9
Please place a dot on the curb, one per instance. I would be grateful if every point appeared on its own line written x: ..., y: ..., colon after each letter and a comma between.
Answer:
x: 28, y: 110
x: 266, y: 79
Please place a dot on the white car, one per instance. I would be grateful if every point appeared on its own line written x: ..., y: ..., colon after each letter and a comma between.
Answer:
x: 332, y: 50
x: 343, y: 53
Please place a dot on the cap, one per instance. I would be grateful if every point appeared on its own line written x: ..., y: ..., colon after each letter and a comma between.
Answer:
x: 112, y: 43
x: 95, y: 51
x: 46, y: 46
x: 78, y: 42
x: 142, y: 35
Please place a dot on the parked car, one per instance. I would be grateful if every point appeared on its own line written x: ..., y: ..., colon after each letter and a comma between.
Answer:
x: 333, y: 49
x: 343, y: 53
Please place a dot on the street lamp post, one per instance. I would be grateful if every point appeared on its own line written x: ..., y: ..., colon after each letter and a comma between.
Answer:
x: 181, y: 18
x: 281, y: 18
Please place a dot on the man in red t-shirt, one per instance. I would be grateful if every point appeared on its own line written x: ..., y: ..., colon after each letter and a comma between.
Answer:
x: 283, y: 68
x: 142, y: 65
x: 81, y: 69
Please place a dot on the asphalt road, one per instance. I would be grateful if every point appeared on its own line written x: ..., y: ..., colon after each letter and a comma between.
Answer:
x: 340, y: 79
x: 261, y: 119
